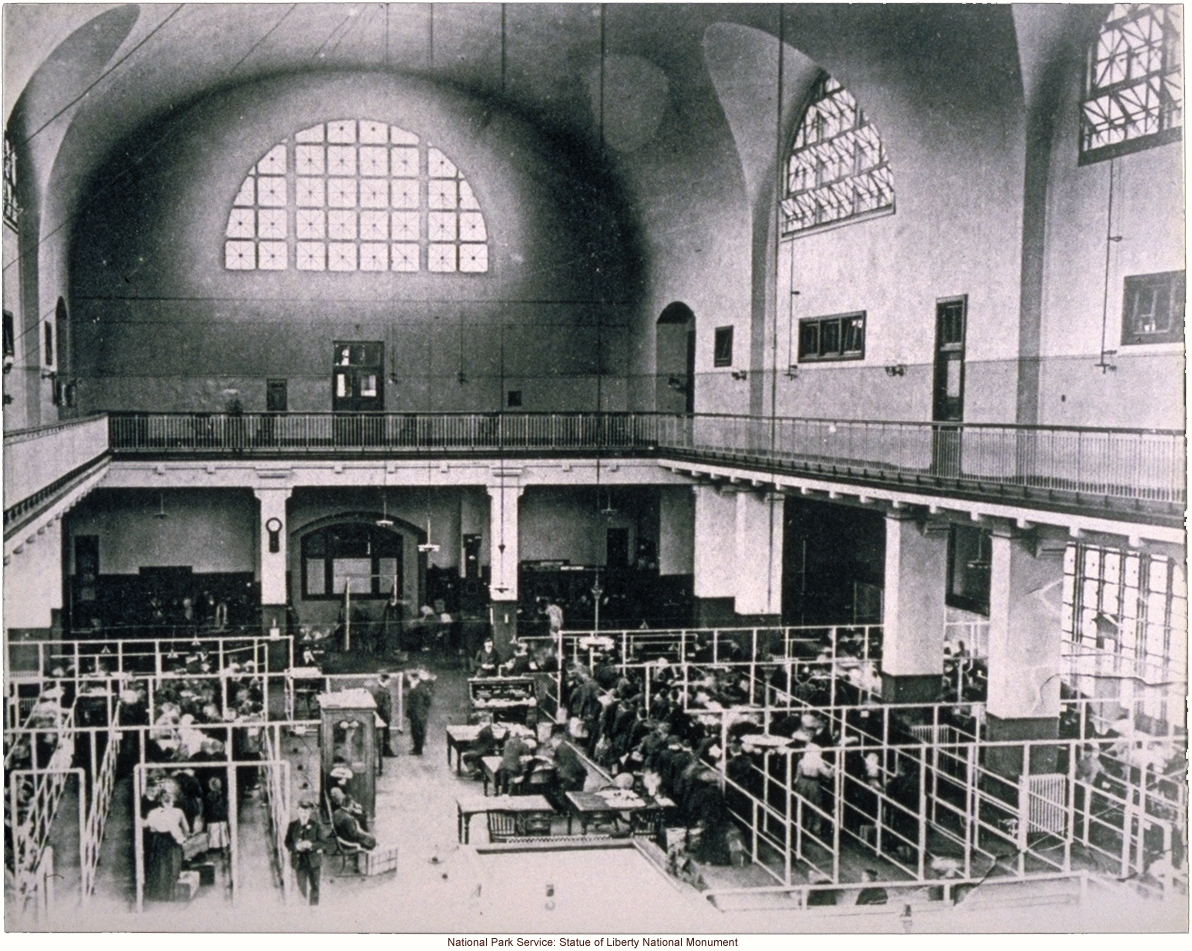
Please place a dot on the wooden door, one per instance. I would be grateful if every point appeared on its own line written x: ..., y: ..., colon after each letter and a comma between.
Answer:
x: 951, y: 317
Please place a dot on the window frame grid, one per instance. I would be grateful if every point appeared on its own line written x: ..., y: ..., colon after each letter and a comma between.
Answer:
x: 1130, y: 608
x: 328, y: 230
x: 1164, y: 83
x: 836, y: 139
x: 1174, y: 283
x: 12, y: 207
x: 834, y: 356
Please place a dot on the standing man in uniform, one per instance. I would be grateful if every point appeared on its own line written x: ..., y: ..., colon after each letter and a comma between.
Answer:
x: 305, y: 839
x: 384, y: 699
x: 418, y: 700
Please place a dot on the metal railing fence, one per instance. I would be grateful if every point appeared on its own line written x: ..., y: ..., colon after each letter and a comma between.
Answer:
x: 1139, y: 465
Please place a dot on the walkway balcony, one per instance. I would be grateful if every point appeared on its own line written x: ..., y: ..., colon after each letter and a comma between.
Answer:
x: 39, y: 463
x: 1140, y: 471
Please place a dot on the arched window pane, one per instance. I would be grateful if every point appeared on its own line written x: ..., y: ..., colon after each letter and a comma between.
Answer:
x: 837, y: 168
x: 356, y: 195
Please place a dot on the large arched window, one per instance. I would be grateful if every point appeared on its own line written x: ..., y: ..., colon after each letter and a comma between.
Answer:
x: 356, y: 195
x: 1133, y: 88
x: 837, y: 169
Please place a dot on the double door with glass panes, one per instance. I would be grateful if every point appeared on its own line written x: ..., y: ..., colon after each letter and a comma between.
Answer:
x: 357, y: 377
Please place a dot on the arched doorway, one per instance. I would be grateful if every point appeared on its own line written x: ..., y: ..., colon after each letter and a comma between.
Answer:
x: 359, y: 577
x: 675, y: 359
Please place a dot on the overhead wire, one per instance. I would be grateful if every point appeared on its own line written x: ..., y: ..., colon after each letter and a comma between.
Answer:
x: 100, y: 78
x: 121, y: 177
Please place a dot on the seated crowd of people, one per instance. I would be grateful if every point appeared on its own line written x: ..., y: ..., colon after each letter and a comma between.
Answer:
x: 665, y: 732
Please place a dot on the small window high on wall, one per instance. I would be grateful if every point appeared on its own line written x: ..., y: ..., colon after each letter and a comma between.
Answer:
x: 722, y: 347
x: 1153, y: 308
x: 356, y: 195
x: 837, y: 169
x: 1133, y: 84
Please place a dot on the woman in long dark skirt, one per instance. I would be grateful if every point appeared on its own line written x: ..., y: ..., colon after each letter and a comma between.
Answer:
x: 165, y: 834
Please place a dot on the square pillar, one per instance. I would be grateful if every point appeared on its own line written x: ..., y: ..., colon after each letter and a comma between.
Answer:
x: 914, y: 611
x: 503, y: 503
x: 1024, y: 649
x: 676, y: 530
x: 715, y: 542
x: 273, y: 555
x: 758, y: 568
x: 714, y: 584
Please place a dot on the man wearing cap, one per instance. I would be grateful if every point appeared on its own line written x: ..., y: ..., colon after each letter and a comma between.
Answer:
x: 418, y: 700
x: 305, y: 839
x: 384, y: 699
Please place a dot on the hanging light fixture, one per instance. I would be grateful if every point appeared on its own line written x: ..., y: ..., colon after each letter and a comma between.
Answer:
x: 161, y: 506
x: 428, y: 546
x: 384, y: 521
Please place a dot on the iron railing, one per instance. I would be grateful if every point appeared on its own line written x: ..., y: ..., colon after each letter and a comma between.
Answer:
x: 1108, y: 465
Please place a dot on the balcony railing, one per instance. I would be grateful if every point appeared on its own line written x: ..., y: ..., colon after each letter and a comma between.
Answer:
x: 1084, y: 466
x: 39, y: 462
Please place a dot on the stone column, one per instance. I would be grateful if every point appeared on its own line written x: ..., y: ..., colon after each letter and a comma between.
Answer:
x: 914, y: 610
x: 273, y: 533
x: 758, y: 568
x: 715, y: 581
x: 676, y: 530
x: 503, y: 561
x: 1024, y: 649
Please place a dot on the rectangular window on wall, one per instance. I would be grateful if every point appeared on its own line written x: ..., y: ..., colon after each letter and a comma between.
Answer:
x: 1130, y: 603
x: 838, y: 337
x: 10, y: 334
x: 723, y: 347
x: 49, y: 353
x: 1153, y: 308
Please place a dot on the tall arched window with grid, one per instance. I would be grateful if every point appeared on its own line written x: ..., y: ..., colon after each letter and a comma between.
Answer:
x: 837, y: 169
x: 1134, y: 96
x: 356, y: 195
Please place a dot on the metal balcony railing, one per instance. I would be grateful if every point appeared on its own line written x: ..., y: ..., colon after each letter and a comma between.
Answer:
x: 1087, y: 466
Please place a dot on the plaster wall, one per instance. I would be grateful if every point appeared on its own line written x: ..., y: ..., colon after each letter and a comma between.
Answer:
x: 213, y: 531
